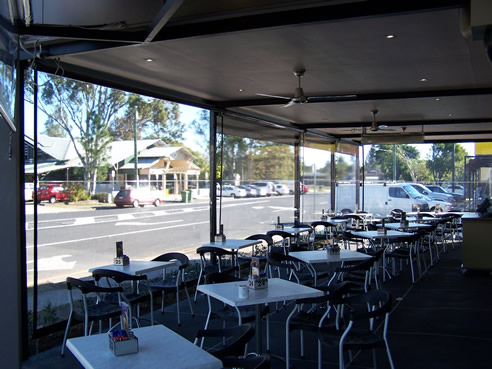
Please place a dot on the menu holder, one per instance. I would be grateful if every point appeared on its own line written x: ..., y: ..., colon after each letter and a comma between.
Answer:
x: 123, y: 341
x: 120, y: 259
x: 257, y: 278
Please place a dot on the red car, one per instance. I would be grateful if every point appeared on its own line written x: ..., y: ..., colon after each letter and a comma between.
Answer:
x: 51, y: 193
x: 136, y: 197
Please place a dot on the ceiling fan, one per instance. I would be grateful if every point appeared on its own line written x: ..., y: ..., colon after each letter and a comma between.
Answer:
x: 300, y: 98
x: 375, y: 126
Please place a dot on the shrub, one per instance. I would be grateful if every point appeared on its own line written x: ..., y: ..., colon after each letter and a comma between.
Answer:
x: 100, y: 196
x: 76, y: 192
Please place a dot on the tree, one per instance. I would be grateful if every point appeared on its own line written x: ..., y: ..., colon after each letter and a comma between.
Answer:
x: 440, y: 161
x: 271, y: 161
x: 154, y: 119
x: 380, y: 158
x: 84, y: 111
x: 53, y: 129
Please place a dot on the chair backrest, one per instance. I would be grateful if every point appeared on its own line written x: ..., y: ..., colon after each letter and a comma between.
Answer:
x: 372, y: 304
x: 118, y: 277
x: 87, y: 287
x: 217, y: 277
x: 238, y: 337
x: 261, y: 249
x: 249, y: 362
x: 184, y: 261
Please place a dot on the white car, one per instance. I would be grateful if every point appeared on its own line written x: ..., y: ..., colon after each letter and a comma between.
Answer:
x: 232, y: 191
x: 459, y: 189
x: 282, y: 189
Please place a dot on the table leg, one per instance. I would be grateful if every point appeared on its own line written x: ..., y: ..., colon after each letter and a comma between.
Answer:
x: 259, y: 330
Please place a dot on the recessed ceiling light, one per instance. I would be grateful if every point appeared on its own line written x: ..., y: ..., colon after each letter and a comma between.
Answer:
x: 241, y: 89
x: 150, y: 60
x: 390, y: 36
x: 449, y: 115
x: 437, y: 99
x: 423, y: 80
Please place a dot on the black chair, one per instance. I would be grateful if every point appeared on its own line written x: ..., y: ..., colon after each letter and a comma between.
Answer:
x: 229, y: 341
x: 174, y: 284
x: 406, y: 249
x: 281, y: 241
x: 213, y: 259
x: 136, y: 289
x: 93, y: 306
x: 359, y: 273
x: 360, y: 333
x: 261, y: 249
x: 311, y: 313
x: 244, y: 314
x: 288, y: 267
x: 323, y: 230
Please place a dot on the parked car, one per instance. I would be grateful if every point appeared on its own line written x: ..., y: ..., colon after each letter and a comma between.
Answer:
x: 457, y: 189
x: 302, y: 187
x: 260, y: 191
x: 436, y: 196
x: 136, y: 197
x: 232, y: 191
x: 51, y: 193
x: 250, y: 190
x: 281, y: 189
x: 268, y: 186
x: 439, y: 189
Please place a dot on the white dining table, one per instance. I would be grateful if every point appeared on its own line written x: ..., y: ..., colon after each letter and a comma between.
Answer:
x: 137, y: 267
x: 159, y: 348
x: 234, y: 245
x: 410, y: 226
x: 277, y: 290
x: 388, y: 236
x: 322, y: 256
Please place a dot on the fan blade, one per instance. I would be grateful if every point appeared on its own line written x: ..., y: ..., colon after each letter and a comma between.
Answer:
x: 329, y: 98
x: 381, y: 128
x: 290, y: 103
x: 275, y: 96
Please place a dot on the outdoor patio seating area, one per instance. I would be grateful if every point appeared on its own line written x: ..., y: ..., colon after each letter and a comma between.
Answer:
x: 441, y: 321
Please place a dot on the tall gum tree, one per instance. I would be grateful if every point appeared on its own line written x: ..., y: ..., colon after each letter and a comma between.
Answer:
x: 84, y: 111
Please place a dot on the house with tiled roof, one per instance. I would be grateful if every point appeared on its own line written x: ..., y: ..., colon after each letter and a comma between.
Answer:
x: 158, y: 166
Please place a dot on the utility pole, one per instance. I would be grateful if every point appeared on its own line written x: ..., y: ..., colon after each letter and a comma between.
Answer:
x: 394, y: 163
x: 135, y: 153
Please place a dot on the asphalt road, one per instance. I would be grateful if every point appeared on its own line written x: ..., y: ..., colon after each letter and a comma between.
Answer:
x: 69, y: 243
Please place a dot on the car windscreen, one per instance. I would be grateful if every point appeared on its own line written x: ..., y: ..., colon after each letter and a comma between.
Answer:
x: 124, y: 193
x: 414, y: 194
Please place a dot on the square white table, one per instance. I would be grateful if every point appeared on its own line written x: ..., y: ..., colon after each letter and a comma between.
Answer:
x: 137, y: 267
x: 278, y: 290
x: 410, y: 226
x: 234, y: 245
x: 322, y: 256
x: 159, y: 348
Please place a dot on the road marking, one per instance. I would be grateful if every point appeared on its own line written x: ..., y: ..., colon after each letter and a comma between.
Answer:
x: 117, y: 235
x: 54, y: 263
x: 83, y: 221
x: 147, y: 224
